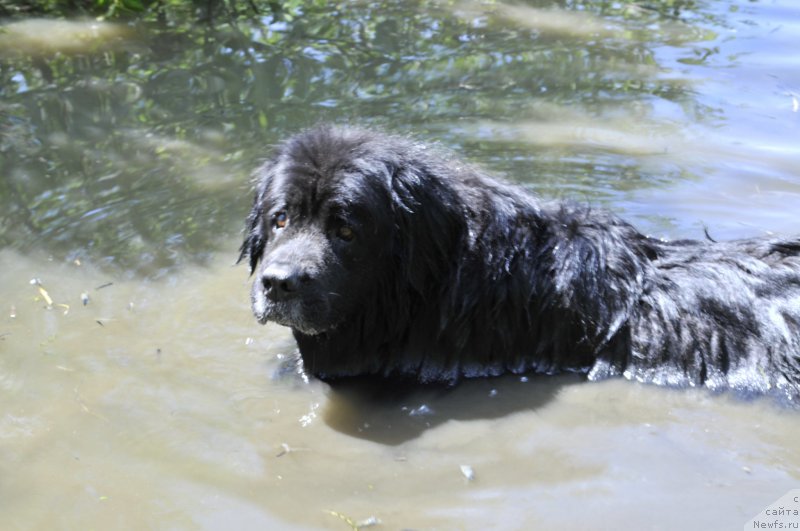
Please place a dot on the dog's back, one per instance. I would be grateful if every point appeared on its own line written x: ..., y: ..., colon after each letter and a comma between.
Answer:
x: 720, y: 315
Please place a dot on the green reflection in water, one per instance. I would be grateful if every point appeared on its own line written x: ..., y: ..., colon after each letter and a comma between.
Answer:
x: 131, y: 144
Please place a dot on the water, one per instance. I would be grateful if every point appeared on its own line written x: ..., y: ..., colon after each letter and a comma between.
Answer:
x: 125, y: 153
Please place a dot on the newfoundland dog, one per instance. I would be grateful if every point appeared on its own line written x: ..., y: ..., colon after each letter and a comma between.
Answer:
x: 388, y: 257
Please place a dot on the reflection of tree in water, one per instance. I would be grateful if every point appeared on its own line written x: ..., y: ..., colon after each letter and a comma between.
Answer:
x: 135, y: 149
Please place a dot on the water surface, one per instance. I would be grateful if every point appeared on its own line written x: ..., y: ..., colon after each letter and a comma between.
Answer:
x: 125, y: 152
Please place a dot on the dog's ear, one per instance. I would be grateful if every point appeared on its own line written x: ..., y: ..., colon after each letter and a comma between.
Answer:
x: 255, y: 239
x: 429, y: 223
x: 253, y: 244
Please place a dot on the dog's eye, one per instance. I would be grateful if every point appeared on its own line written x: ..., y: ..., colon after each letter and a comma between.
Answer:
x: 345, y: 233
x: 279, y: 220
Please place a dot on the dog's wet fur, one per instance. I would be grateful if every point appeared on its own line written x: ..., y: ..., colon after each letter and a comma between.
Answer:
x: 391, y: 258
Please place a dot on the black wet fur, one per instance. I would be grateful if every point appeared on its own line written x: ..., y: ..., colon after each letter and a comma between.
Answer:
x: 452, y: 273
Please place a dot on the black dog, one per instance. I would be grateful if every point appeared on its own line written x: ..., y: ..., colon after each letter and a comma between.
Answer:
x: 386, y: 257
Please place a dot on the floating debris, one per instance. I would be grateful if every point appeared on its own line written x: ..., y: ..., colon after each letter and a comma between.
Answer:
x: 85, y: 298
x: 468, y: 473
x: 13, y: 314
x: 43, y: 292
x: 420, y: 411
x: 355, y: 526
x: 369, y: 522
x: 286, y: 449
x: 107, y: 284
x: 45, y: 295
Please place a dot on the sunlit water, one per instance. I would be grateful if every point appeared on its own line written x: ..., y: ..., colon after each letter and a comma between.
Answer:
x: 155, y: 405
x: 159, y: 404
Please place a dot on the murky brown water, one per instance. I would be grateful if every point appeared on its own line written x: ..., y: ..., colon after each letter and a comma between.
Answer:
x: 124, y: 153
x: 155, y: 406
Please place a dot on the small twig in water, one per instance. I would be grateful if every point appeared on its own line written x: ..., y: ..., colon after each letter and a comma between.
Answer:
x: 355, y: 526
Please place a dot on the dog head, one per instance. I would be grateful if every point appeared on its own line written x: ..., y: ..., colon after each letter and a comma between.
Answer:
x: 317, y: 230
x: 345, y: 221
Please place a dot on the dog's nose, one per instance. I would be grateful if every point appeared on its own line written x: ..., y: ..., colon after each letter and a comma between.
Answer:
x: 283, y: 282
